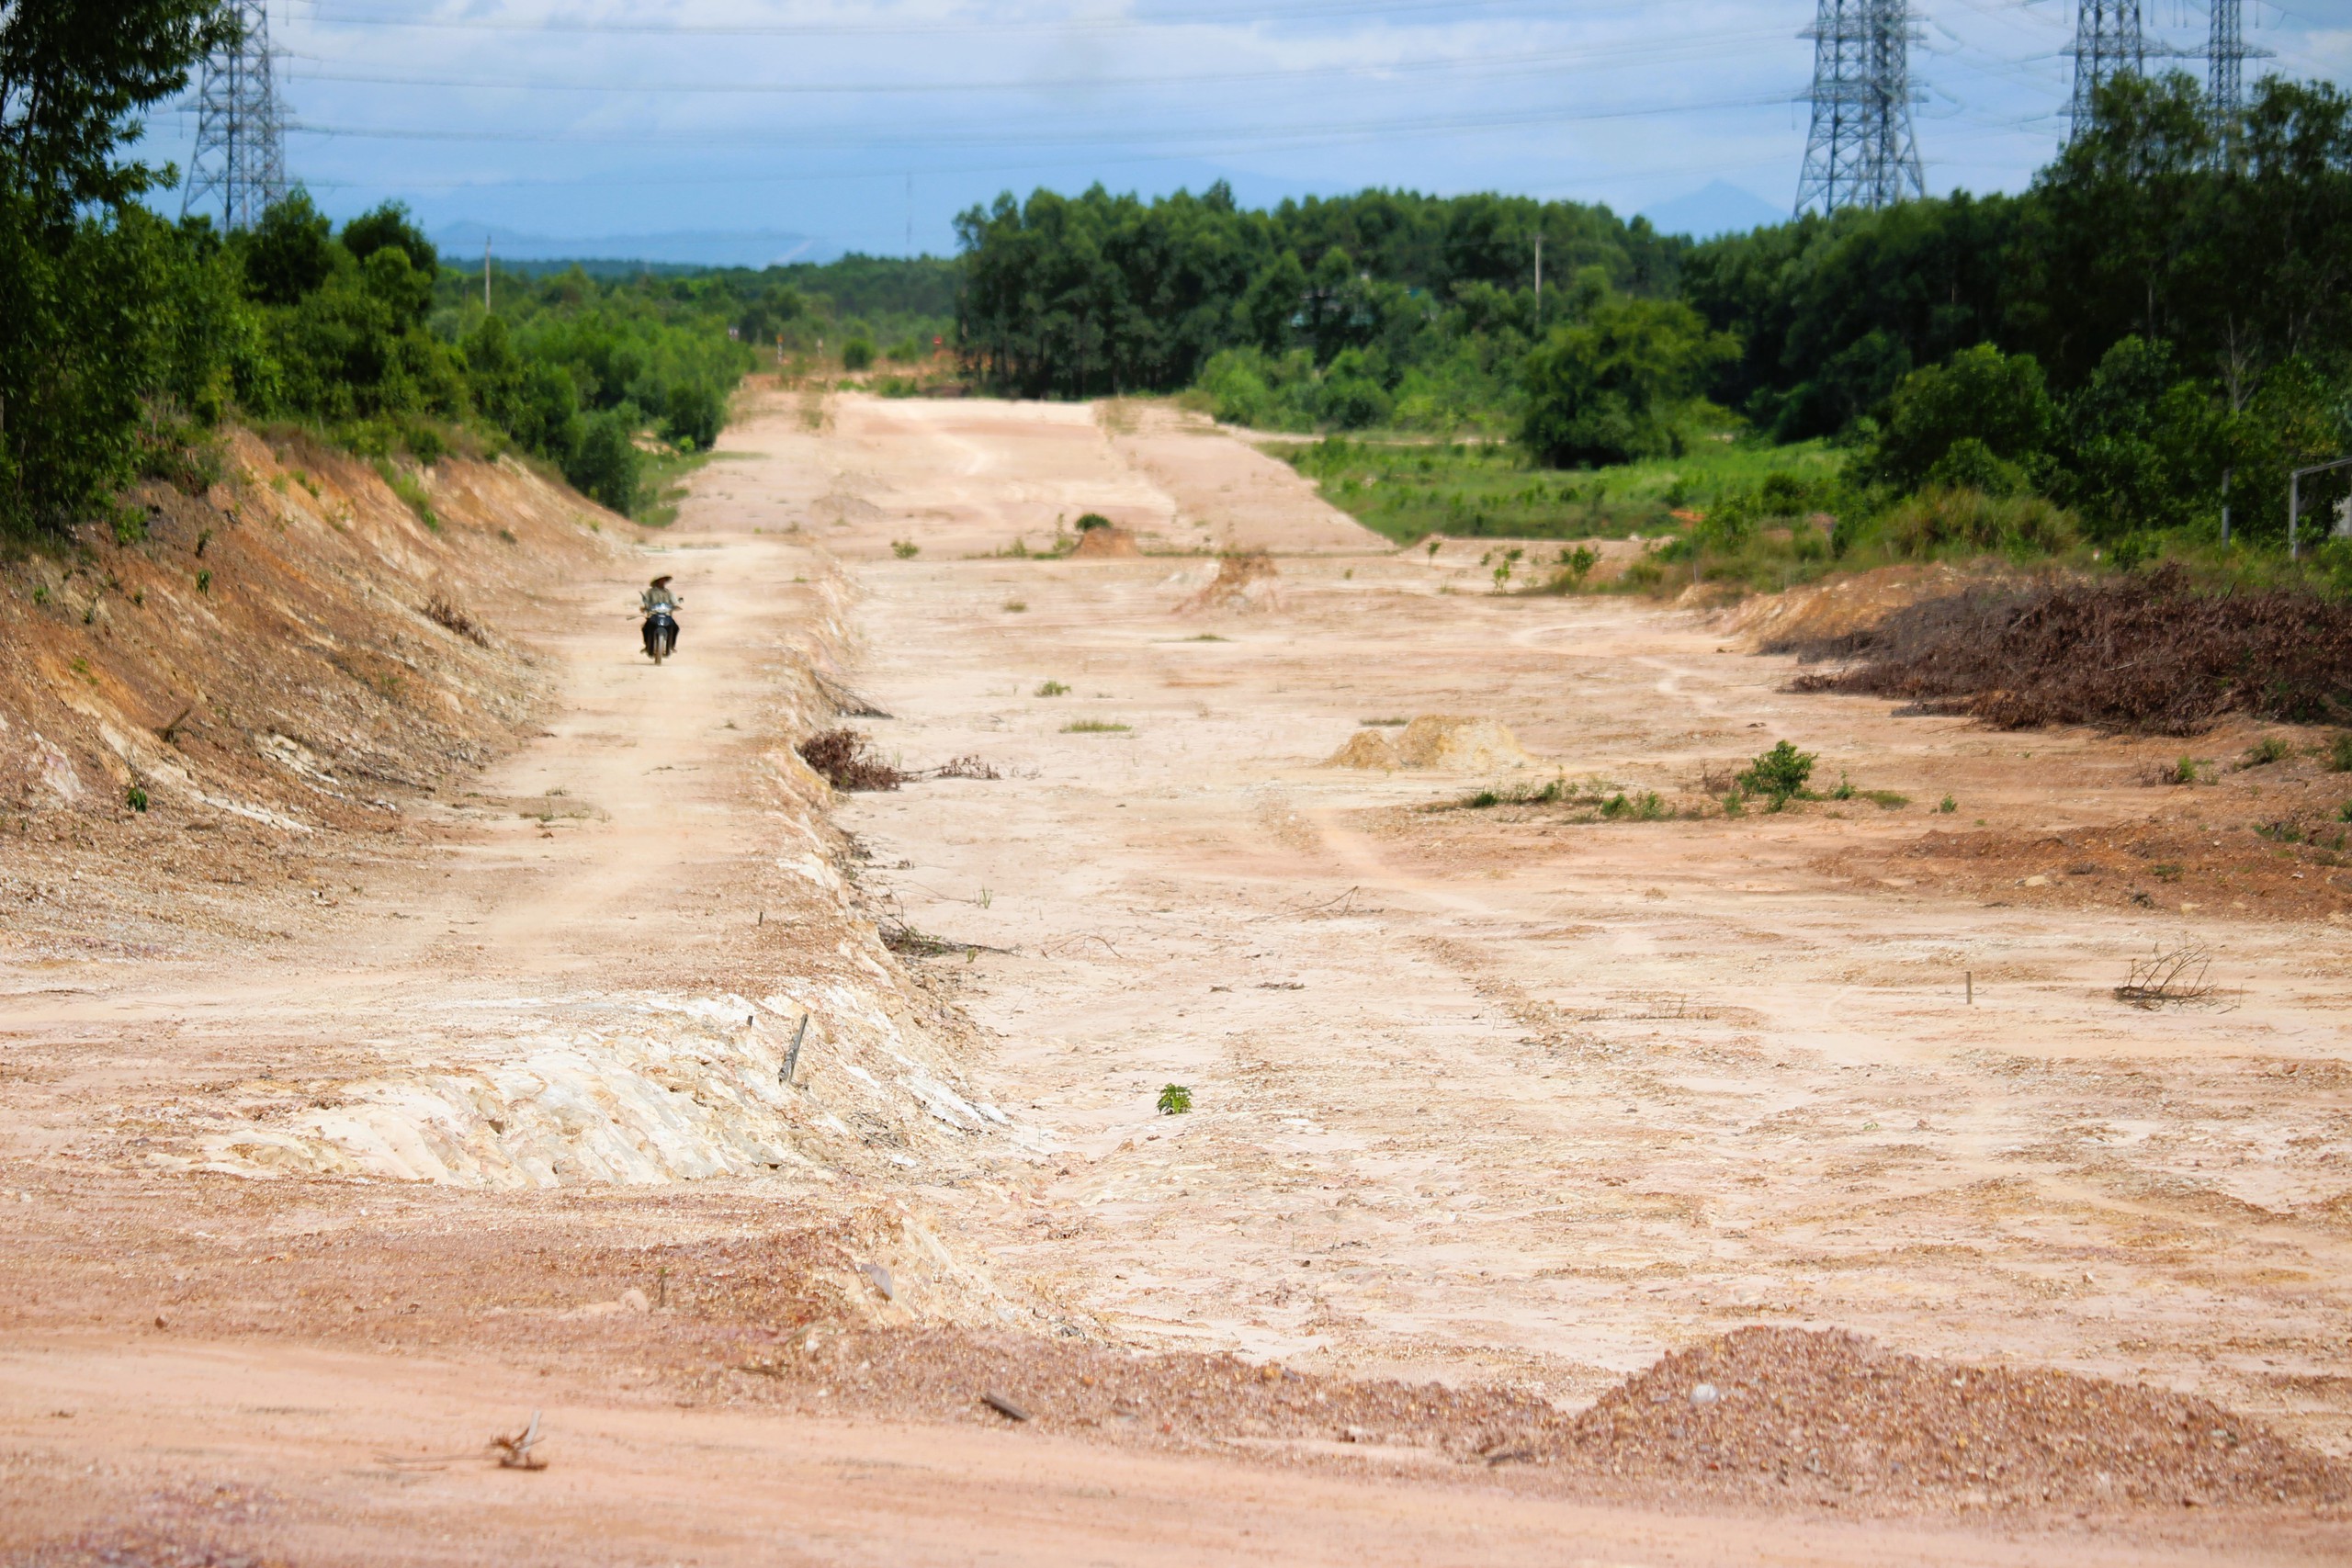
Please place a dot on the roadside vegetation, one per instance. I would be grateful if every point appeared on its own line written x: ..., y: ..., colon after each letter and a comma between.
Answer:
x: 2092, y: 374
x: 127, y: 340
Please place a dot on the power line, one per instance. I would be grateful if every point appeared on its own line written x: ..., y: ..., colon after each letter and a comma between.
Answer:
x: 1252, y: 136
x: 1260, y: 15
x: 241, y: 130
x: 1861, y: 151
x: 1525, y: 64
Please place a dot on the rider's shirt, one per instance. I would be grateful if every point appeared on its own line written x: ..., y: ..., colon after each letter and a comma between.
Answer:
x: 654, y: 599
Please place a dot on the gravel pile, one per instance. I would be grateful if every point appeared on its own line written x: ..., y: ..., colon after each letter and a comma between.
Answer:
x: 1832, y: 1416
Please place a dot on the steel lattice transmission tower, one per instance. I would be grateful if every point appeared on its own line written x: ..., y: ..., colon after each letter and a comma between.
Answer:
x: 2226, y: 52
x: 2108, y: 45
x: 1861, y: 152
x: 240, y: 126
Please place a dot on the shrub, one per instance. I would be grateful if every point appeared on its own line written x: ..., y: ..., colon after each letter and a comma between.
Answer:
x: 1779, y: 774
x: 2265, y: 751
x: 1175, y: 1100
x: 1052, y: 689
x: 136, y: 798
x: 1939, y: 518
x: 1091, y: 520
x: 905, y: 549
x: 1093, y: 726
x: 2339, y: 753
x: 857, y: 354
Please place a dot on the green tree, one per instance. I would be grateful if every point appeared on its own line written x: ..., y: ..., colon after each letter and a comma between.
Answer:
x: 290, y: 253
x: 1615, y: 385
x: 1980, y: 395
x: 92, y: 316
x: 605, y: 464
x: 390, y: 225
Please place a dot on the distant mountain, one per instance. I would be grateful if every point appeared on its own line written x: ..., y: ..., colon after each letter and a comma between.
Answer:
x: 1720, y: 207
x: 680, y: 248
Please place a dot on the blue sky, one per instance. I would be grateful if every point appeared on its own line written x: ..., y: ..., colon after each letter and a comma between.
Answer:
x: 861, y: 125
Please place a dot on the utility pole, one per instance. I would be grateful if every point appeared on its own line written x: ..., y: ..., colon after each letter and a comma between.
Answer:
x: 241, y: 126
x: 2108, y: 46
x: 1861, y: 151
x: 1539, y: 283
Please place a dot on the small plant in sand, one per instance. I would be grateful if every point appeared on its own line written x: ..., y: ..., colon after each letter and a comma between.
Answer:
x: 1016, y: 606
x: 1778, y: 775
x: 1090, y: 521
x: 1093, y: 726
x: 1948, y: 806
x: 2339, y: 753
x: 1503, y: 567
x: 1175, y: 1100
x: 1052, y: 689
x: 136, y: 798
x: 905, y: 549
x: 2263, y: 752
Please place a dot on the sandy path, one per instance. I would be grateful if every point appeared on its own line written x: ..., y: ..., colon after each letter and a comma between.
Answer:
x: 1494, y: 1092
x: 1478, y: 1095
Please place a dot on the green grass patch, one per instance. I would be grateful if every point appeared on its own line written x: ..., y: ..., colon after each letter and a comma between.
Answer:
x: 410, y: 490
x: 662, y: 486
x: 1095, y: 727
x: 1407, y: 491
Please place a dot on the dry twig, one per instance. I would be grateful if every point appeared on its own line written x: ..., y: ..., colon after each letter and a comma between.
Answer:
x: 514, y: 1452
x: 2173, y: 976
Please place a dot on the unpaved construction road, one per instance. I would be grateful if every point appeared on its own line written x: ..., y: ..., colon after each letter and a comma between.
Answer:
x: 1515, y: 1095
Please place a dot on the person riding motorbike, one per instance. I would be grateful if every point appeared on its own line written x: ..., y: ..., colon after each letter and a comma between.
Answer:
x: 659, y: 606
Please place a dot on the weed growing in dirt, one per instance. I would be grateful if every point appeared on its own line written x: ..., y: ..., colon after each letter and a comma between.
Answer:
x: 1384, y: 723
x: 1016, y: 606
x: 1094, y: 727
x: 1948, y: 806
x: 1089, y: 521
x: 135, y: 798
x: 2186, y: 771
x: 905, y: 549
x: 1885, y: 799
x: 1175, y: 1100
x: 1779, y: 774
x: 2339, y: 754
x: 203, y: 584
x: 2344, y: 812
x: 412, y: 494
x: 1207, y: 637
x: 1645, y: 806
x: 845, y: 758
x: 2261, y: 753
x: 1052, y: 689
x: 2166, y: 871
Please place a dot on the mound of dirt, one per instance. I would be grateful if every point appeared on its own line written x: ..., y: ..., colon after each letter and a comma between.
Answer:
x: 1101, y: 543
x: 1242, y: 582
x: 1832, y: 1414
x: 2146, y: 652
x: 1819, y: 612
x: 1365, y: 748
x: 1467, y: 744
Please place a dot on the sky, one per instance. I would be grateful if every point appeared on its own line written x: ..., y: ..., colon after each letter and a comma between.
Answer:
x: 869, y: 127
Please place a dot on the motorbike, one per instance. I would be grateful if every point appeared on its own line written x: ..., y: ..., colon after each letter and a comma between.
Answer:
x: 661, y: 632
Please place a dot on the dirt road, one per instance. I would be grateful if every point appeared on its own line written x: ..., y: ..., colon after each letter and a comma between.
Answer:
x: 1493, y: 1094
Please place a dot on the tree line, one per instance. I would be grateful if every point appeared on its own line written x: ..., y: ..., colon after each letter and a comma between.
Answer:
x: 2160, y: 324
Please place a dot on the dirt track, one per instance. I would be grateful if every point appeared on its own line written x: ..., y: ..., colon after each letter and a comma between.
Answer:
x: 1494, y: 1096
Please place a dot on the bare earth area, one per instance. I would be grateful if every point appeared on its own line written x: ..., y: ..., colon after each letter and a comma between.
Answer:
x: 1571, y: 1176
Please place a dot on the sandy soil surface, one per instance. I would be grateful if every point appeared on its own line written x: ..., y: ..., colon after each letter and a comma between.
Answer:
x: 1515, y: 1098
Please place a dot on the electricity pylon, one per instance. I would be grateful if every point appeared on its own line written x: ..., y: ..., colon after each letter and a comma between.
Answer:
x: 1861, y: 152
x: 240, y: 126
x: 2226, y: 52
x: 2108, y: 46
